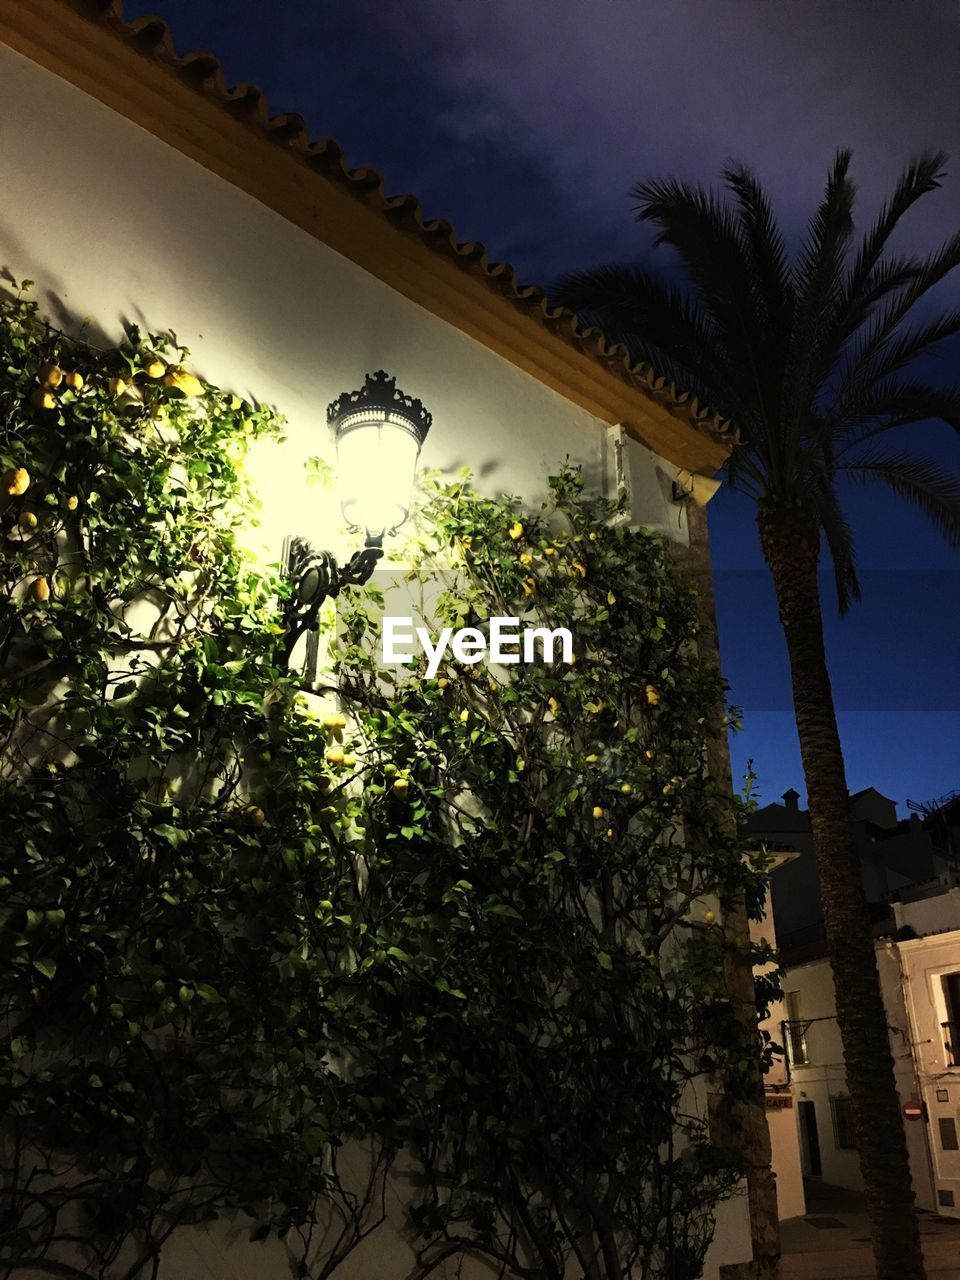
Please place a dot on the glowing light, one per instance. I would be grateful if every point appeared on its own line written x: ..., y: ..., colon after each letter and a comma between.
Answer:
x: 376, y: 464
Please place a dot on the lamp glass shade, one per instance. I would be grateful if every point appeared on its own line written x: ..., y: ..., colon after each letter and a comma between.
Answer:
x: 377, y: 462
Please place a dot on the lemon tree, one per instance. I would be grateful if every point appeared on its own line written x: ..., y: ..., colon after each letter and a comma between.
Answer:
x: 260, y: 951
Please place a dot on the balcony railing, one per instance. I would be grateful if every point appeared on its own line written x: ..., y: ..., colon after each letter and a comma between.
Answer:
x: 795, y: 1034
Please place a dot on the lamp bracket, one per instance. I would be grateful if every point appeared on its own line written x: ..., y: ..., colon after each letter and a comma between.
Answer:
x: 316, y: 576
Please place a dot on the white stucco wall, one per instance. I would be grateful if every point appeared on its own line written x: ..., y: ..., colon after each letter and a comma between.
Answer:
x: 114, y: 225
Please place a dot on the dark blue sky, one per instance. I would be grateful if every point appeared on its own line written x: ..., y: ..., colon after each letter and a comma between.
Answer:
x: 526, y: 122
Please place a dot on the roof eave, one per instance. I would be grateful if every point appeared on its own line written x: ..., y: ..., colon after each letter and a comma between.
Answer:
x: 185, y: 102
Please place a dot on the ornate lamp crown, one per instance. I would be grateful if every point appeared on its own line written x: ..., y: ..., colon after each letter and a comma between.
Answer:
x: 379, y: 397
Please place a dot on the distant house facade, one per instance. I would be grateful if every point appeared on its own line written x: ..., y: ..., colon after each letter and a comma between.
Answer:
x: 919, y: 964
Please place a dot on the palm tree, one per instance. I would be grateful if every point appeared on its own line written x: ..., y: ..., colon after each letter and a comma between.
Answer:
x: 813, y: 355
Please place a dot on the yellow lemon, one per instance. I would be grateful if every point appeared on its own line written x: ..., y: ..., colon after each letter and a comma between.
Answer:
x: 71, y: 503
x: 254, y: 816
x: 74, y: 381
x: 41, y: 398
x: 27, y: 520
x: 331, y: 721
x: 709, y: 917
x: 40, y: 589
x: 649, y: 753
x: 464, y: 716
x: 155, y: 369
x: 579, y: 567
x: 349, y: 761
x: 592, y: 536
x: 609, y: 833
x: 335, y: 756
x: 116, y: 386
x: 401, y: 786
x: 592, y: 759
x: 187, y: 383
x: 597, y: 811
x: 611, y: 598
x: 50, y: 375
x: 17, y: 481
x: 626, y: 789
x: 553, y: 704
x: 443, y: 682
x: 652, y: 696
x: 549, y: 551
x: 529, y: 587
x: 526, y: 558
x: 516, y: 530
x: 389, y: 769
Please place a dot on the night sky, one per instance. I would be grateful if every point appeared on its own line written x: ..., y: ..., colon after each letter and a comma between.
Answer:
x: 526, y: 123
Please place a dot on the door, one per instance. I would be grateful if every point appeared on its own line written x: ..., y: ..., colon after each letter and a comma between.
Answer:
x: 809, y: 1139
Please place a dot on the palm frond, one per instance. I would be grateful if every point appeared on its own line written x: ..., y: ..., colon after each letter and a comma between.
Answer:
x: 764, y: 242
x: 817, y: 278
x: 926, y: 274
x: 876, y: 409
x: 878, y: 371
x: 920, y: 176
x: 820, y: 264
x: 660, y: 325
x: 921, y: 481
x: 705, y: 235
x: 891, y: 274
x: 839, y: 539
x: 628, y: 300
x: 711, y: 245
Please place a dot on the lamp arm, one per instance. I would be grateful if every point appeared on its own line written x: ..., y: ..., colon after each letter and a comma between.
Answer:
x: 316, y: 576
x: 361, y: 564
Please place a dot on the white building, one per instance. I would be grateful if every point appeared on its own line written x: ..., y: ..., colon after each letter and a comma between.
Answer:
x: 137, y: 187
x: 920, y: 980
x: 930, y: 976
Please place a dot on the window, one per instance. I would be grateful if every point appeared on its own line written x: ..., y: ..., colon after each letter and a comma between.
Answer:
x: 842, y: 1124
x: 950, y: 984
x: 796, y: 1030
x: 948, y: 1134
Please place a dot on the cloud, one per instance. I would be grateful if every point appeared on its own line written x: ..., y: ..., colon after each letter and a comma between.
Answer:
x: 598, y: 93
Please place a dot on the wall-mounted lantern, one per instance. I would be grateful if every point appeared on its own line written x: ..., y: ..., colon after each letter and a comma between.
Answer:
x: 688, y: 486
x: 379, y: 432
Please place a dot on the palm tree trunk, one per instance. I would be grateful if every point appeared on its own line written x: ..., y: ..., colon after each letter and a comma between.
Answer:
x: 790, y: 540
